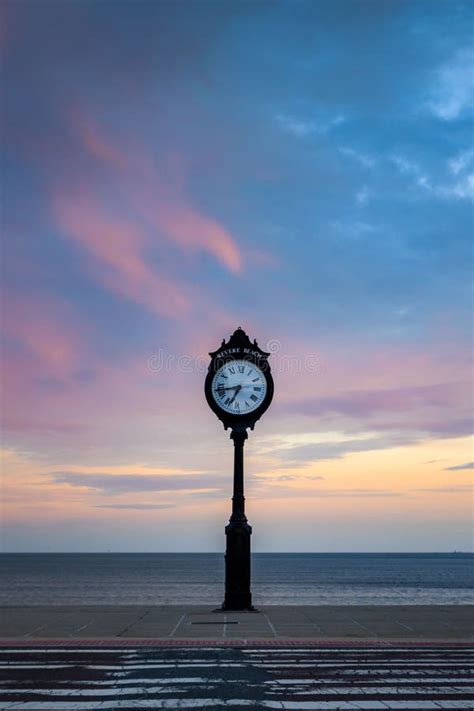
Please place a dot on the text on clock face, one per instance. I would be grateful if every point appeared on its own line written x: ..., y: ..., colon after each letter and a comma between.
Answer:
x: 239, y: 387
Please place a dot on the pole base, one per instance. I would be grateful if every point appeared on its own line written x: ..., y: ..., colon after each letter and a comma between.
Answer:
x: 237, y: 601
x: 237, y: 567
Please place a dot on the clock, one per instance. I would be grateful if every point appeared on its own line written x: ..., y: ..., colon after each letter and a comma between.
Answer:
x: 239, y: 387
x: 239, y: 384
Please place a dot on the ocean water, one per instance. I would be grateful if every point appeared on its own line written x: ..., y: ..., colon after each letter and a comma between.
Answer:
x: 198, y: 578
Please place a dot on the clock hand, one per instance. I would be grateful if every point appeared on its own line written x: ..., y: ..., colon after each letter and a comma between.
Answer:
x: 238, y: 387
x: 231, y: 387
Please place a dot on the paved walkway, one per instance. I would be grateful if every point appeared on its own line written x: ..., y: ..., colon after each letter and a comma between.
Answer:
x: 303, y: 679
x: 278, y: 624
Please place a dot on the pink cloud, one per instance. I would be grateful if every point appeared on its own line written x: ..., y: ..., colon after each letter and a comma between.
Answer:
x: 403, y: 388
x: 395, y: 400
x: 120, y: 253
x: 55, y: 387
x: 43, y: 328
x: 157, y: 196
x: 94, y: 141
x: 191, y: 230
x: 42, y: 354
x: 312, y: 370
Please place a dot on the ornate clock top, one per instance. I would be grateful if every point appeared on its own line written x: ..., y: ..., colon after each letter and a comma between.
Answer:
x: 241, y: 341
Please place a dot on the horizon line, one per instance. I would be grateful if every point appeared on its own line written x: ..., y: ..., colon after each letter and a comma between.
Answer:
x: 110, y: 552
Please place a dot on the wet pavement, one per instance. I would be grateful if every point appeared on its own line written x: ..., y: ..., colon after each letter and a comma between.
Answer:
x: 324, y: 677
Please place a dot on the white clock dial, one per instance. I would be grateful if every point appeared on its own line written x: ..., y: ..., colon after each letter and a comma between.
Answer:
x: 239, y: 387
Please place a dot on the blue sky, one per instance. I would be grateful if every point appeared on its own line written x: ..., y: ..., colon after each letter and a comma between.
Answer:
x: 176, y: 169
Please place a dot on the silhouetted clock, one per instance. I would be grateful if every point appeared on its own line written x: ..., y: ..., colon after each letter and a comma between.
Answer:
x: 239, y: 383
x: 239, y: 389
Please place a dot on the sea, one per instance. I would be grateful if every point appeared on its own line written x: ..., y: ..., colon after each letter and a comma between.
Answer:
x: 198, y: 578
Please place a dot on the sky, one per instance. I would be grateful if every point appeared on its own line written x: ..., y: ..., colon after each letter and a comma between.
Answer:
x: 174, y: 170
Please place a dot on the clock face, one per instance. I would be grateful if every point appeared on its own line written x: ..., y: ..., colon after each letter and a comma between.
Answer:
x: 239, y: 387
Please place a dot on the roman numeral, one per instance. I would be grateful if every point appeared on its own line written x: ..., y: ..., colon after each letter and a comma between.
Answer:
x: 228, y: 401
x: 240, y: 368
x: 236, y: 405
x: 250, y: 371
x: 257, y: 388
x: 246, y: 404
x: 255, y: 380
x: 254, y: 398
x: 231, y: 370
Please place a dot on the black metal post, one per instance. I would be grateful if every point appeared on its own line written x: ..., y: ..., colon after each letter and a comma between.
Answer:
x: 238, y: 532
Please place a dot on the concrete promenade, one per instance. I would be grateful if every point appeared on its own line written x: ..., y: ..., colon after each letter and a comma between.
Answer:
x: 275, y: 624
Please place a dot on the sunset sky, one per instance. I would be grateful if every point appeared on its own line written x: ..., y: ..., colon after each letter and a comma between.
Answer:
x: 173, y: 170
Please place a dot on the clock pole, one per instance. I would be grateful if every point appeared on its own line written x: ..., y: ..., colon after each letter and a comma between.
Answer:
x: 238, y: 499
x: 238, y: 532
